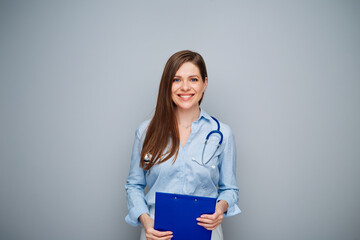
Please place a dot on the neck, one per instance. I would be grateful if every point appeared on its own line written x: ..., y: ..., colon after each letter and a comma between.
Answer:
x: 186, y: 117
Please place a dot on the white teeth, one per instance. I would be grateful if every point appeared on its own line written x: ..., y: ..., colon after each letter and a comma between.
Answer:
x: 185, y: 96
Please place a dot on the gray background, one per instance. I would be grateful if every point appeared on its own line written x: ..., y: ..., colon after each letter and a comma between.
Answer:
x: 78, y: 77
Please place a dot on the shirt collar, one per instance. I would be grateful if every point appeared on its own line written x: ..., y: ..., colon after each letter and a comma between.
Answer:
x: 204, y: 114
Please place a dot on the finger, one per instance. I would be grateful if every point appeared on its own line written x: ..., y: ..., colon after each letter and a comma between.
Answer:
x: 164, y: 238
x: 211, y: 216
x: 152, y: 237
x: 158, y: 238
x: 210, y: 219
x: 210, y: 226
x: 160, y: 233
x: 205, y: 220
x: 209, y: 223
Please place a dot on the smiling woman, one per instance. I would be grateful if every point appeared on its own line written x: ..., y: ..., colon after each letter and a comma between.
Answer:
x: 188, y: 88
x: 179, y: 131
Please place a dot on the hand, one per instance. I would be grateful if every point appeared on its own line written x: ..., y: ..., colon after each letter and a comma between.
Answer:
x: 211, y: 221
x: 150, y: 232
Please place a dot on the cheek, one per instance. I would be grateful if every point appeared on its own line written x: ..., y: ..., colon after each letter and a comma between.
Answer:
x: 174, y: 87
x: 201, y: 89
x: 173, y: 93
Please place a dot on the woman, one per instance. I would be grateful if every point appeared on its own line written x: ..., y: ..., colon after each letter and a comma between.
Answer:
x: 169, y: 153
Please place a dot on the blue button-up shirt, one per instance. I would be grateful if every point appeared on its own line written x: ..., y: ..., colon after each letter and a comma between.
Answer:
x: 186, y: 175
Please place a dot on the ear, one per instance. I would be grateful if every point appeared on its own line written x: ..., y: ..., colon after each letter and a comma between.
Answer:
x: 205, y: 83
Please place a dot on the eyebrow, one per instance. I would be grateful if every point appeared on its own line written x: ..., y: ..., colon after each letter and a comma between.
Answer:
x: 189, y: 76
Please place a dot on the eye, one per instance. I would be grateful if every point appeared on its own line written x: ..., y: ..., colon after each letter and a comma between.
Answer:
x: 194, y: 79
x: 176, y: 80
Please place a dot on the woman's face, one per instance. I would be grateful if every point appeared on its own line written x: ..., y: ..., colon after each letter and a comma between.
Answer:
x: 188, y: 87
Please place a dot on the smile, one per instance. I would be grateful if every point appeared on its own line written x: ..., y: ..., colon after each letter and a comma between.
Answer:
x: 185, y: 96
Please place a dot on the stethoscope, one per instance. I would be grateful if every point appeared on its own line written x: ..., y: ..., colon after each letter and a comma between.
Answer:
x: 205, y: 144
x: 148, y: 155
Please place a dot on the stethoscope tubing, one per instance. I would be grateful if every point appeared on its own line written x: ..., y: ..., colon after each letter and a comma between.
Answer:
x: 216, y: 131
x: 206, y: 140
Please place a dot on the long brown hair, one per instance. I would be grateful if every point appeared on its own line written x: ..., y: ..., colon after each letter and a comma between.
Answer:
x: 162, y: 137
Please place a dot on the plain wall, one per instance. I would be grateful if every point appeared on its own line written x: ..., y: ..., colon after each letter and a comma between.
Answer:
x: 78, y: 77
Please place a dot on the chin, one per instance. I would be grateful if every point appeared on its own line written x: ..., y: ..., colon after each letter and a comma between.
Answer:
x: 187, y: 107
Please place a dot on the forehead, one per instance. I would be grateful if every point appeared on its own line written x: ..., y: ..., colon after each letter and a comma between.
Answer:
x: 188, y: 68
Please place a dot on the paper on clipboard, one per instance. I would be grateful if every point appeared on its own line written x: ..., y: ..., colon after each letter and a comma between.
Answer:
x: 178, y: 213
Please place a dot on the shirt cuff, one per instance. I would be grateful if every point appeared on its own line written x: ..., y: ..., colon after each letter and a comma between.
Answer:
x: 233, y: 208
x: 133, y: 217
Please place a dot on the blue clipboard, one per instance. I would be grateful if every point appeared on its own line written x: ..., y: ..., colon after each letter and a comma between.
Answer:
x: 178, y: 213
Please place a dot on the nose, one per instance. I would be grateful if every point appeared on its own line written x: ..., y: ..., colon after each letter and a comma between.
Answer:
x: 185, y: 85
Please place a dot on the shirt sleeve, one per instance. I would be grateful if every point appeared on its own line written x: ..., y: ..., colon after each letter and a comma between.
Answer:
x: 135, y: 185
x: 228, y: 188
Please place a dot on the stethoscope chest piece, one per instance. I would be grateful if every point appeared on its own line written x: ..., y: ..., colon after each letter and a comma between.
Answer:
x: 147, y: 158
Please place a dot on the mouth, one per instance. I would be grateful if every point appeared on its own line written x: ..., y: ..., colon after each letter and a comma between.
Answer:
x: 185, y: 97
